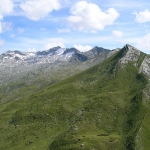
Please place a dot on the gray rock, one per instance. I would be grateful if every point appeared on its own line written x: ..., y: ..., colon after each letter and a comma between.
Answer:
x: 145, y: 66
x: 132, y: 54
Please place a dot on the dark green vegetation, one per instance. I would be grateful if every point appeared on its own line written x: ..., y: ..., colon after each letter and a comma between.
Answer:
x: 102, y: 108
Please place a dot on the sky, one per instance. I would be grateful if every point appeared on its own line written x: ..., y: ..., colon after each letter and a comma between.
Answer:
x: 36, y: 25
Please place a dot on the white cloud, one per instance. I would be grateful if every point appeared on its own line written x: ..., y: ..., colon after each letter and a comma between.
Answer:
x: 117, y: 34
x: 88, y: 16
x: 144, y: 43
x: 63, y: 30
x: 38, y: 9
x: 94, y: 31
x: 1, y: 27
x: 143, y: 16
x: 6, y: 26
x: 6, y: 7
x: 31, y: 50
x: 1, y: 17
x: 54, y: 42
x: 82, y: 48
x: 24, y: 43
x: 12, y: 35
x: 42, y: 29
x: 1, y: 42
x: 20, y: 30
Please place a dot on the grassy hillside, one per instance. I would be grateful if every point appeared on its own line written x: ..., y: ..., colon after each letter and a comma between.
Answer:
x: 36, y: 77
x: 101, y: 108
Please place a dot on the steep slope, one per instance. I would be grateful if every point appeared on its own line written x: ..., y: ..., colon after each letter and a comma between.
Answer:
x: 31, y: 72
x: 103, y: 108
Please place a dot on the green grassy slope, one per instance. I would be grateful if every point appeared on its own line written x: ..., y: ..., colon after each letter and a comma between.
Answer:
x: 101, y: 109
x: 38, y: 77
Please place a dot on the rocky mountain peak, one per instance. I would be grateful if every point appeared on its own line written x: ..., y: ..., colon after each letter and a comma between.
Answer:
x: 96, y: 51
x: 70, y: 51
x: 55, y: 48
x: 135, y: 57
x: 130, y: 54
x: 145, y: 65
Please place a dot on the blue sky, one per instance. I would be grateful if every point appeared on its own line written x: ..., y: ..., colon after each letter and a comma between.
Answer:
x: 35, y: 25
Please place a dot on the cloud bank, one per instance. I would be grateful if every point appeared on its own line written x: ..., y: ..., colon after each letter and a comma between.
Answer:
x: 117, y: 34
x: 144, y: 43
x: 88, y: 17
x: 38, y: 9
x: 6, y: 7
x: 82, y: 48
x: 143, y: 16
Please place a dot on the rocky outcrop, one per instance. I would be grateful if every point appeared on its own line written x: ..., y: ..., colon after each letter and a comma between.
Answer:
x: 113, y: 52
x: 132, y: 54
x: 145, y: 66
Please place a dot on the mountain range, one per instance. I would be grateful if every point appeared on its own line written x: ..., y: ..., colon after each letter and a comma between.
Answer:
x: 15, y: 63
x: 64, y: 99
x: 53, y: 55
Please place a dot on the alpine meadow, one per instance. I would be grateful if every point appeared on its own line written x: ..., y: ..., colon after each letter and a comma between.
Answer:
x: 105, y: 107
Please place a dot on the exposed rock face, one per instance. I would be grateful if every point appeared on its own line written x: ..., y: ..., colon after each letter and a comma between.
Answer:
x: 145, y: 66
x: 113, y: 52
x: 132, y: 54
x: 135, y: 56
x: 14, y: 64
x: 96, y: 51
x: 49, y: 56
